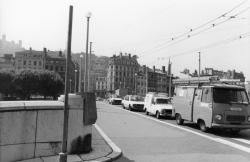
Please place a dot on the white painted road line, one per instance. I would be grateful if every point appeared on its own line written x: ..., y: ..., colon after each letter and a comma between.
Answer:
x: 219, y: 140
x: 242, y: 140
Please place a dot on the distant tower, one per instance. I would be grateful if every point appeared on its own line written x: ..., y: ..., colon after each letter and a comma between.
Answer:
x: 20, y: 43
x: 4, y: 37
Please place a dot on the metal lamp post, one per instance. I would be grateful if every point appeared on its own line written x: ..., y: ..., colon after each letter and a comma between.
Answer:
x: 86, y: 85
x: 135, y: 83
x: 75, y: 80
x: 80, y: 74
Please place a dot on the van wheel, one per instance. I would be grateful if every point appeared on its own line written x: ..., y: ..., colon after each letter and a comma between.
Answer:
x: 202, y: 126
x: 179, y: 120
x: 158, y: 115
x: 146, y: 112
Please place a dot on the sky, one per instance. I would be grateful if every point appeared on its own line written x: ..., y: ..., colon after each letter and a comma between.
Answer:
x: 141, y: 27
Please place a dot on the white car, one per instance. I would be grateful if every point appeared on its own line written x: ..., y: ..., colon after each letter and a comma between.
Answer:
x: 115, y: 101
x: 133, y: 102
x: 158, y: 105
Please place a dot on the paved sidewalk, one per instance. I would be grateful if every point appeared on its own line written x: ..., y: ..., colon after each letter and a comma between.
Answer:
x: 103, y: 150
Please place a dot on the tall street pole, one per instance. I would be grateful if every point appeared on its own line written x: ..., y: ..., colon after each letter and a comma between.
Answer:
x: 80, y: 74
x: 170, y: 79
x: 86, y: 58
x: 89, y: 71
x: 199, y: 66
x: 63, y: 154
x: 75, y: 80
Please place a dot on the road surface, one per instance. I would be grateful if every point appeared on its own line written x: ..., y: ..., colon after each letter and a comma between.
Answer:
x: 147, y: 139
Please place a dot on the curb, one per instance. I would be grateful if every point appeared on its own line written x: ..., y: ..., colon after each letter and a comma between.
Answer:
x: 116, y: 153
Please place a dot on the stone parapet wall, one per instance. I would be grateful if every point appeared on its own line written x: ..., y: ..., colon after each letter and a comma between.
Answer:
x: 30, y: 129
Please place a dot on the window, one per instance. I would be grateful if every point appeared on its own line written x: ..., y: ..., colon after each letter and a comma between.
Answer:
x: 24, y: 62
x: 226, y: 95
x: 206, y: 95
x: 34, y: 63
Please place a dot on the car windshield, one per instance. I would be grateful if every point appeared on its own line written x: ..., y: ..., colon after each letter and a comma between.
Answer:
x: 162, y: 101
x: 224, y: 95
x: 137, y: 98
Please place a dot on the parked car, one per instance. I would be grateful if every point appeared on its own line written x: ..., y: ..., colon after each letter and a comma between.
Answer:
x: 133, y: 102
x: 158, y: 104
x: 115, y: 100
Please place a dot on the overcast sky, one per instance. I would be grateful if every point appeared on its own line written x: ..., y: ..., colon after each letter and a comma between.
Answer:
x: 140, y: 27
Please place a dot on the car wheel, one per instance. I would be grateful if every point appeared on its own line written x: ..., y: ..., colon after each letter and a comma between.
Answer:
x: 129, y: 107
x: 158, y: 116
x: 202, y: 126
x: 146, y: 112
x: 179, y: 120
x: 123, y: 106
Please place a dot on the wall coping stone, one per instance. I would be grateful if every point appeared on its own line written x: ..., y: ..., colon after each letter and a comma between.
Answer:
x: 30, y: 105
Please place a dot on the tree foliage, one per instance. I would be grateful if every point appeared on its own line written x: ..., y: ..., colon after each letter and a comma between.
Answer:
x: 28, y: 83
x: 6, y: 82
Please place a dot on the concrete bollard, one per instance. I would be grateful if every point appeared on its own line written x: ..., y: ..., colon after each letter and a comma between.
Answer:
x: 82, y: 114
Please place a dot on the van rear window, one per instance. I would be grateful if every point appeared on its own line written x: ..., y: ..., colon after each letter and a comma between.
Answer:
x: 225, y: 95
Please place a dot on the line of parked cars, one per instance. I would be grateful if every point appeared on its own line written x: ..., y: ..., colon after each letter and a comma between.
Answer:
x: 158, y: 104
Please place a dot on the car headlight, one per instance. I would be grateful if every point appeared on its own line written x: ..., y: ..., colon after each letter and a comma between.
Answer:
x: 248, y: 118
x: 218, y: 117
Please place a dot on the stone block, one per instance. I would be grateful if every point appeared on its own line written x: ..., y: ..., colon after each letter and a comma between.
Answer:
x: 10, y: 153
x: 48, y: 149
x: 17, y: 127
x: 49, y: 126
x: 76, y: 128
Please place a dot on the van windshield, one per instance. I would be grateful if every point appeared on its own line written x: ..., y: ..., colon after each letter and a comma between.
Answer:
x: 162, y: 101
x: 225, y: 95
x: 137, y: 98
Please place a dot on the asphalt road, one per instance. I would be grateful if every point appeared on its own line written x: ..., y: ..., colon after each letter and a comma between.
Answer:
x: 147, y: 139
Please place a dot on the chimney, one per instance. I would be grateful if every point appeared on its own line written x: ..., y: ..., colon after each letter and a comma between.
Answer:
x: 129, y: 55
x: 144, y: 69
x: 163, y: 69
x: 120, y: 54
x: 60, y: 53
x: 154, y: 68
x: 4, y: 37
x: 20, y: 43
x: 30, y: 49
x: 45, y: 50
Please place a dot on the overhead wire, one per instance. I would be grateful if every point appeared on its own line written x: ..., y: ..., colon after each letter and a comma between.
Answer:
x: 165, y: 44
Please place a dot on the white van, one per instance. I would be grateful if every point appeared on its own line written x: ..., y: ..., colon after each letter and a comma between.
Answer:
x: 158, y: 104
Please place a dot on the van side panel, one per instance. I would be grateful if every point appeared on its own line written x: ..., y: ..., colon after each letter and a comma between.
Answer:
x: 202, y: 106
x: 183, y: 102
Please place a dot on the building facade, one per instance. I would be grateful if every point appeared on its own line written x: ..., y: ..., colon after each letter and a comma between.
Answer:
x: 230, y: 74
x: 7, y: 62
x: 29, y: 60
x: 153, y: 80
x: 101, y: 86
x: 121, y: 72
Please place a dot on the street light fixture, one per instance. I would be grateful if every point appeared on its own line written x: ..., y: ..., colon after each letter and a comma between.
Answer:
x: 86, y: 87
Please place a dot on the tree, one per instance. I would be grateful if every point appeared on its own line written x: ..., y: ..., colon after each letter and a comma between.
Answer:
x: 26, y: 84
x: 50, y: 84
x: 6, y: 82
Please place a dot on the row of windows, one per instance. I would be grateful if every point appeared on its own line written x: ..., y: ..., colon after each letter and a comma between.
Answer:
x: 56, y: 68
x: 29, y: 62
x: 129, y: 68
